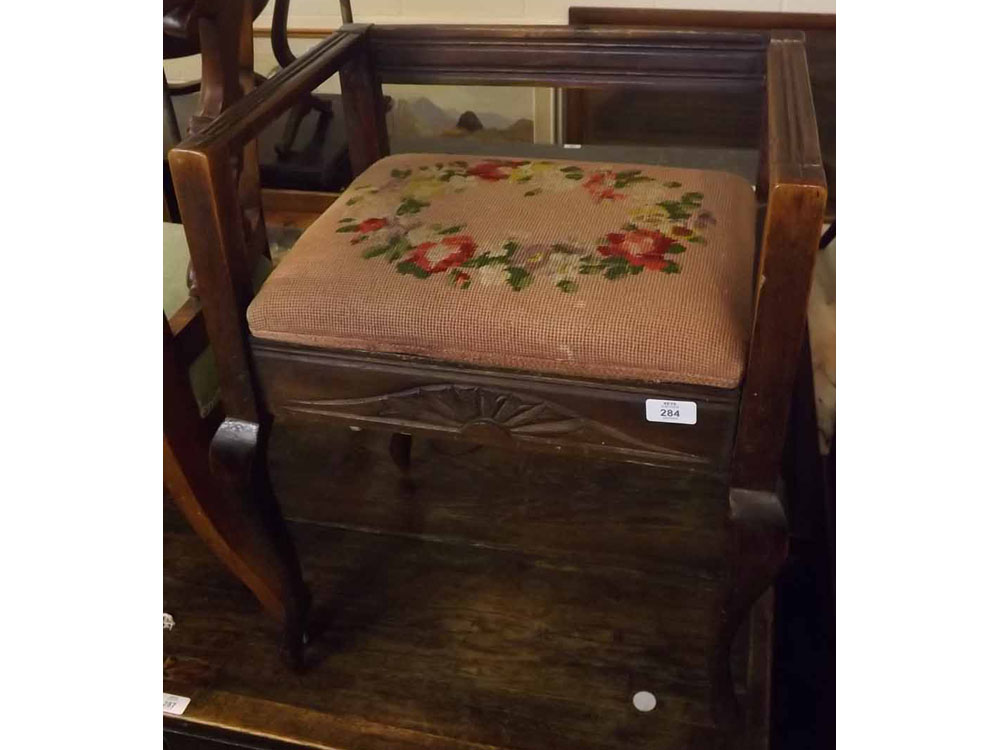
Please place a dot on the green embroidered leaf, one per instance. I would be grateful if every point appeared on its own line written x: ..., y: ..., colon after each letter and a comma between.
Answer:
x: 530, y: 193
x: 352, y: 201
x: 697, y: 240
x: 408, y: 267
x: 349, y: 228
x: 671, y: 267
x: 692, y: 198
x: 568, y: 286
x: 574, y: 175
x: 630, y: 227
x: 672, y: 184
x: 572, y: 168
x: 524, y: 178
x: 410, y: 206
x: 345, y: 219
x: 459, y: 163
x: 518, y: 277
x: 398, y: 247
x: 374, y: 252
x: 634, y: 270
x: 510, y: 246
x: 629, y: 177
x: 401, y: 173
x: 452, y: 230
x: 676, y: 247
x: 675, y: 210
x: 439, y: 165
x: 616, y: 272
x: 424, y: 168
x: 486, y: 260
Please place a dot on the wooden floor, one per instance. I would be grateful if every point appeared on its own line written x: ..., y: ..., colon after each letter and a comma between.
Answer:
x: 491, y: 600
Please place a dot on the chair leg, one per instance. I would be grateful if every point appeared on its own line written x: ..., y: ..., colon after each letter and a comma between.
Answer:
x: 255, y: 531
x: 399, y: 450
x: 759, y: 546
x: 828, y: 236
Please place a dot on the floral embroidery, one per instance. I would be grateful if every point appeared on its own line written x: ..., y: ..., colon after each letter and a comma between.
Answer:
x: 639, y: 248
x: 651, y: 240
x: 418, y: 187
x: 439, y: 255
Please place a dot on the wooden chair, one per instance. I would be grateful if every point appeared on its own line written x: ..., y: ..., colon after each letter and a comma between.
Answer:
x: 300, y: 362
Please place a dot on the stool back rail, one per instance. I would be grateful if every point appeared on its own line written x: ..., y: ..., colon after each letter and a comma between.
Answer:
x: 739, y: 433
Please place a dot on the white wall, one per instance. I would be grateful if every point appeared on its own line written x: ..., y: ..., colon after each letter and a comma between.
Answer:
x: 326, y: 13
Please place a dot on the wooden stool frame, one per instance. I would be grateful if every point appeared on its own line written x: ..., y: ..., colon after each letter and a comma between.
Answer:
x: 739, y: 433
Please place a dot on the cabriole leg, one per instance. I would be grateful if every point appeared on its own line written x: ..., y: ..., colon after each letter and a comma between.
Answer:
x: 257, y: 532
x: 759, y: 546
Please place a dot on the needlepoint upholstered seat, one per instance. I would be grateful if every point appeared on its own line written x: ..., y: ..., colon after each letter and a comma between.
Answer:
x: 606, y: 271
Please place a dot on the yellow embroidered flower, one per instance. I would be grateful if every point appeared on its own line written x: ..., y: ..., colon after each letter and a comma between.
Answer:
x: 530, y: 170
x: 649, y: 215
x: 423, y: 188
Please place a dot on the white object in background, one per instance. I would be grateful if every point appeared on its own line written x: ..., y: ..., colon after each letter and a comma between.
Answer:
x: 168, y: 622
x: 174, y: 704
x: 644, y: 701
x: 572, y: 145
x: 676, y: 412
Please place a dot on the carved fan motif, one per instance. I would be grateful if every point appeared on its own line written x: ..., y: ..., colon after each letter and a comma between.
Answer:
x: 482, y: 414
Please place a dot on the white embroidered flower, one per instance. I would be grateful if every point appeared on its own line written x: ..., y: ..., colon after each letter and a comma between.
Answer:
x: 562, y: 266
x: 492, y: 275
x: 421, y: 234
x: 439, y: 253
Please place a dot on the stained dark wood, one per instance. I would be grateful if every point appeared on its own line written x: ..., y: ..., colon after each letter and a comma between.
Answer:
x: 305, y: 388
x: 187, y: 326
x: 297, y: 201
x: 758, y: 547
x: 223, y: 486
x: 217, y: 516
x: 449, y: 613
x: 553, y: 55
x: 489, y: 407
x: 796, y: 202
x: 252, y: 113
x: 364, y: 109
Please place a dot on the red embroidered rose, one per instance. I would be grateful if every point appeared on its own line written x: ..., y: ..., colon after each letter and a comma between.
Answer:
x: 600, y: 184
x: 493, y: 170
x: 370, y: 225
x: 640, y: 247
x: 435, y: 257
